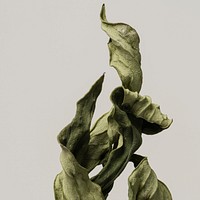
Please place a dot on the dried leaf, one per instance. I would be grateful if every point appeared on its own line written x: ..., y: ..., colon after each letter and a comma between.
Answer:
x: 126, y: 139
x: 76, y: 135
x: 98, y: 146
x: 124, y: 52
x: 142, y: 107
x: 143, y: 184
x: 73, y: 182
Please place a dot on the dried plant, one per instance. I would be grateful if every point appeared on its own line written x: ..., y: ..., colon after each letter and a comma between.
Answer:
x: 116, y: 136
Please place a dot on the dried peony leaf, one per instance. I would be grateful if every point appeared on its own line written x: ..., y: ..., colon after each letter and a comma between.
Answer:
x: 99, y: 144
x: 73, y: 182
x: 124, y: 52
x: 76, y: 135
x: 125, y: 140
x: 142, y: 107
x: 143, y: 184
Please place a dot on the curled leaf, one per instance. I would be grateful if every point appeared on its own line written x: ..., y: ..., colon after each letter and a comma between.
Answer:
x: 143, y: 184
x: 142, y: 107
x: 98, y: 146
x: 125, y: 140
x: 124, y: 52
x: 76, y: 135
x: 73, y: 182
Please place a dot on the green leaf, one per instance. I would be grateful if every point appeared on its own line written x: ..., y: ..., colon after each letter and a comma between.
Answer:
x: 76, y: 135
x: 143, y: 184
x: 73, y: 182
x: 124, y: 52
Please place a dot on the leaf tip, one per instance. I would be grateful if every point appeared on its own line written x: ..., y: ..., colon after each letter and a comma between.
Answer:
x: 103, y: 13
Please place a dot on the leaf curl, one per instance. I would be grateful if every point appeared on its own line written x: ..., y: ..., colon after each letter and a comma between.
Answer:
x: 143, y: 184
x: 73, y: 182
x: 124, y: 52
x: 99, y: 145
x: 125, y: 139
x: 142, y: 107
x: 76, y: 135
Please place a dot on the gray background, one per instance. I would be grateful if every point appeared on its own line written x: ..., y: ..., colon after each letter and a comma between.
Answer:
x: 51, y: 52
